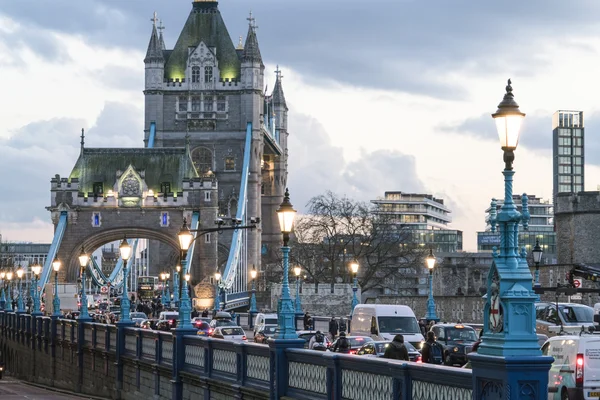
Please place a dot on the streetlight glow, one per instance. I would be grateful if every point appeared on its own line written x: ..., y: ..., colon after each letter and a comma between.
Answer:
x: 9, y: 275
x: 83, y: 259
x: 20, y: 273
x: 508, y: 120
x: 354, y: 267
x: 56, y: 264
x: 36, y: 269
x: 187, y: 277
x: 286, y: 214
x: 125, y: 250
x: 185, y: 236
x: 253, y: 272
x: 297, y: 271
x: 218, y: 276
x: 537, y: 252
x: 430, y: 259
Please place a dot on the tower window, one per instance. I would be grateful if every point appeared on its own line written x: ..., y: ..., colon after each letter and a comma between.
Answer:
x: 96, y: 219
x: 203, y: 159
x: 195, y: 74
x: 98, y: 188
x: 208, y: 74
x: 207, y: 196
x: 164, y: 219
x: 208, y: 103
x: 207, y: 238
x: 195, y: 103
x: 221, y: 104
x: 229, y: 164
x: 165, y: 187
x: 183, y: 106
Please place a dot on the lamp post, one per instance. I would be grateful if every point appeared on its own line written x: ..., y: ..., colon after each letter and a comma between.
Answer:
x: 537, y: 257
x: 297, y: 272
x: 431, y: 315
x: 167, y: 302
x: 56, y: 264
x: 218, y: 291
x: 285, y: 318
x: 20, y: 304
x: 253, y: 309
x: 8, y: 306
x: 354, y: 268
x: 176, y: 285
x: 509, y: 349
x: 125, y: 250
x: 36, y: 269
x: 83, y: 262
x: 2, y: 297
x: 163, y: 278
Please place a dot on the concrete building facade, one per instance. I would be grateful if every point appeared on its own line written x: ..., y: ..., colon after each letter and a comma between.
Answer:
x: 568, y: 155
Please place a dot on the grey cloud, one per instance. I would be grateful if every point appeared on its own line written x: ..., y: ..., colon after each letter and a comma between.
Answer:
x: 122, y: 78
x: 399, y: 45
x: 39, y: 150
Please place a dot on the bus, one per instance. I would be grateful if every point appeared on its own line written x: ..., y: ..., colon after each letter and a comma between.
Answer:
x: 147, y: 287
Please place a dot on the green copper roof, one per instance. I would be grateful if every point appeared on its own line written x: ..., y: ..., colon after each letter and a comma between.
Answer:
x: 204, y: 24
x: 157, y: 165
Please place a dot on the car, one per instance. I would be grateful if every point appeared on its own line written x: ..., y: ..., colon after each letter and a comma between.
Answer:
x: 267, y: 332
x: 234, y: 333
x: 199, y: 319
x: 571, y: 317
x: 356, y: 342
x: 384, y: 321
x: 168, y: 315
x: 138, y: 317
x: 306, y: 335
x: 263, y: 319
x: 203, y: 327
x: 458, y: 341
x: 222, y: 319
x: 166, y: 324
x: 576, y: 367
x: 377, y: 349
x: 148, y: 324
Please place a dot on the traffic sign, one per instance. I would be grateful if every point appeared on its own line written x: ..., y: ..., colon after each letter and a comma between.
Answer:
x: 104, y: 289
x: 577, y: 283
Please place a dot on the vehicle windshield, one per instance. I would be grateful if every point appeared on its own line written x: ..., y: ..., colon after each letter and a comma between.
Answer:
x: 398, y: 325
x: 270, y: 330
x: 271, y: 321
x: 359, y: 341
x: 224, y: 322
x: 232, y: 331
x: 577, y: 313
x: 138, y: 315
x: 466, y: 334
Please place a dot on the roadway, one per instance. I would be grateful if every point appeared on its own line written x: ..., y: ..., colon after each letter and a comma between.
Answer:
x: 12, y: 389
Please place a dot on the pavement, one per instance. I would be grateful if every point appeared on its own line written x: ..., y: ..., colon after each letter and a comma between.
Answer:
x: 12, y: 389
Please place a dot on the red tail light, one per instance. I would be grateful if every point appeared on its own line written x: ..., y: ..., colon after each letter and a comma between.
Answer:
x: 419, y: 359
x: 579, y: 370
x: 210, y: 331
x: 352, y: 352
x: 244, y: 337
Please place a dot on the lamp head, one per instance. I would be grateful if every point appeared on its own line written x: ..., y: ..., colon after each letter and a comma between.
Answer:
x: 537, y: 252
x: 178, y: 268
x: 286, y: 214
x: 218, y: 276
x: 508, y: 119
x: 36, y: 269
x: 430, y: 260
x: 253, y: 272
x: 20, y: 273
x: 83, y: 258
x: 9, y: 275
x: 125, y: 249
x: 297, y: 270
x: 2, y: 274
x: 185, y: 236
x: 187, y: 277
x: 56, y: 264
x: 354, y: 267
x: 167, y: 275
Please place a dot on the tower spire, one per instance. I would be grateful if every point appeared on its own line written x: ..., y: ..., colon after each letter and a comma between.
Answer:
x: 82, y: 140
x: 278, y: 96
x: 161, y: 39
x: 155, y: 49
x: 251, y: 50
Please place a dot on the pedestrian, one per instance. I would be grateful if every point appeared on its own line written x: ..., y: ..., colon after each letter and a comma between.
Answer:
x: 433, y: 352
x: 307, y: 321
x: 333, y: 328
x: 317, y: 342
x: 423, y: 326
x: 342, y: 344
x: 205, y: 313
x: 396, y: 350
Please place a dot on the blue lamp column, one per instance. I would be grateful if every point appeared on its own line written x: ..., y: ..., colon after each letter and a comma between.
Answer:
x: 20, y: 304
x: 431, y: 314
x: 253, y: 274
x: 167, y: 302
x: 125, y: 250
x: 176, y: 285
x: 509, y: 362
x: 83, y: 262
x: 36, y: 269
x: 56, y: 301
x: 297, y: 271
x: 354, y: 268
x: 163, y: 297
x: 2, y: 297
x: 217, y: 304
x: 286, y: 328
x: 537, y: 257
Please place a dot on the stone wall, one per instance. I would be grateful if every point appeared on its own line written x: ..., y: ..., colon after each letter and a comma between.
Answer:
x: 324, y: 299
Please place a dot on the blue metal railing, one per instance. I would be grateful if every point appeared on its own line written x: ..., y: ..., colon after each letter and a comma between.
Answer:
x: 58, y: 236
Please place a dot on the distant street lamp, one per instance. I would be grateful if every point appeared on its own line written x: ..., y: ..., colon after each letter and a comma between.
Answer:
x: 36, y: 269
x: 354, y: 267
x: 84, y: 259
x: 20, y: 304
x: 285, y: 320
x: 297, y: 271
x: 163, y: 278
x: 56, y: 301
x: 431, y: 315
x: 253, y: 275
x: 2, y: 296
x: 537, y: 257
x: 125, y: 250
x: 9, y: 297
x: 176, y: 285
x: 218, y: 278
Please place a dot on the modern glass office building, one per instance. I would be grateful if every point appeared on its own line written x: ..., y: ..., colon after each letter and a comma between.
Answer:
x: 541, y: 227
x: 568, y: 136
x: 425, y: 218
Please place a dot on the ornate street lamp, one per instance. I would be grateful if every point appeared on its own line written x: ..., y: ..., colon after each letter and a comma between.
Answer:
x: 36, y: 269
x: 167, y: 302
x: 163, y: 278
x: 509, y: 349
x: 354, y: 268
x: 297, y: 272
x: 253, y: 275
x: 431, y: 315
x: 56, y: 264
x: 125, y: 250
x: 20, y: 304
x: 537, y: 257
x: 285, y: 319
x: 2, y: 297
x: 8, y: 306
x: 84, y: 259
x: 218, y: 291
x: 176, y: 285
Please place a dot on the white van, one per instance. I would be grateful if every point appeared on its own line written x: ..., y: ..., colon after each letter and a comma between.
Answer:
x: 575, y: 372
x: 383, y: 322
x: 264, y: 319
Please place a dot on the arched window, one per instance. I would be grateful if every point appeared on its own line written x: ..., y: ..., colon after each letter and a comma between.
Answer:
x: 208, y: 74
x: 196, y: 74
x: 203, y: 159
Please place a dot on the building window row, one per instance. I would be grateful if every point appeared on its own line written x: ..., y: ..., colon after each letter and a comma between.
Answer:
x: 202, y: 103
x: 208, y: 74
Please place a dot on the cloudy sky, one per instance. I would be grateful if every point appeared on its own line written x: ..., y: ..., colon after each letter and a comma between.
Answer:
x: 383, y: 94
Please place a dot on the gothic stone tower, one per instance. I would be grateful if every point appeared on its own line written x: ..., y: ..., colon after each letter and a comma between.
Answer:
x: 208, y: 89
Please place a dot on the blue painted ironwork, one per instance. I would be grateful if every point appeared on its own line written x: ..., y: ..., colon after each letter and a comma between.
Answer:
x: 20, y: 304
x: 36, y: 297
x: 58, y: 236
x: 354, y: 297
x: 298, y: 301
x: 9, y: 296
x: 56, y: 300
x: 185, y: 308
x: 84, y: 315
x: 163, y: 296
x: 176, y: 288
x: 2, y: 298
x: 152, y: 134
x: 253, y: 308
x: 286, y: 326
x: 431, y: 314
x: 125, y: 303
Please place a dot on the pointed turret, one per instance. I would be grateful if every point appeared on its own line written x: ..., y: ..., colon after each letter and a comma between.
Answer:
x: 161, y: 39
x: 251, y: 50
x: 278, y: 96
x: 154, y: 52
x: 252, y: 64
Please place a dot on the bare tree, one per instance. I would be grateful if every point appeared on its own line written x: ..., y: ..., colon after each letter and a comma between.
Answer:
x: 337, y: 230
